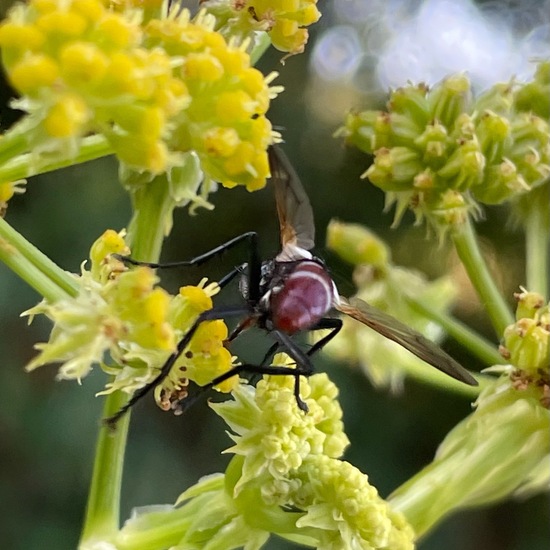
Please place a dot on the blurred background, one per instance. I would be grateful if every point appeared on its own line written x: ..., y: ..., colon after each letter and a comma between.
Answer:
x: 357, y: 50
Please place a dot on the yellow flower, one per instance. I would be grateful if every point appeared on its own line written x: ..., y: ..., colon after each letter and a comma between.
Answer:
x: 123, y: 313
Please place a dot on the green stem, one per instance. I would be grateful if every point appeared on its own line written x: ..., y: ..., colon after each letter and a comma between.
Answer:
x: 152, y: 206
x: 34, y: 267
x: 467, y: 247
x: 537, y: 241
x: 102, y: 511
x: 463, y: 334
x: 151, y: 221
x: 15, y: 141
x: 26, y: 165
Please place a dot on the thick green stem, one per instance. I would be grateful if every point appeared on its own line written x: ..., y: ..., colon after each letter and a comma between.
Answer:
x: 537, y: 241
x: 34, y: 267
x: 467, y: 247
x: 463, y: 334
x: 26, y: 165
x: 153, y: 205
x: 151, y: 220
x: 102, y: 511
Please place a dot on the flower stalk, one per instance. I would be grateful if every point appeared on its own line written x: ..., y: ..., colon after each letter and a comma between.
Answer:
x: 101, y: 522
x: 467, y: 247
x: 463, y: 334
x: 34, y: 267
x: 537, y: 241
x: 27, y: 164
x: 102, y: 512
x: 488, y: 456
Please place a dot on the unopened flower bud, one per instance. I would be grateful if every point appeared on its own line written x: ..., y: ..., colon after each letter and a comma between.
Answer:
x: 357, y: 244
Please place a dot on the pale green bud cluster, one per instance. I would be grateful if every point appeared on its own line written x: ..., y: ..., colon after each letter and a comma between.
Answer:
x: 123, y: 313
x: 526, y: 345
x: 287, y: 478
x: 441, y: 152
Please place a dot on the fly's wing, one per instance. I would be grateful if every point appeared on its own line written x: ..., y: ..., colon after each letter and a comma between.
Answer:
x: 293, y: 206
x: 410, y: 339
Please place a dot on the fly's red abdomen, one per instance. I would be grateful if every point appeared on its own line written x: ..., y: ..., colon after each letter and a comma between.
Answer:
x: 304, y: 299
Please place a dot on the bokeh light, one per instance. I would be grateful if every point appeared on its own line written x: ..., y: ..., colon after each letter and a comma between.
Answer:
x: 377, y: 45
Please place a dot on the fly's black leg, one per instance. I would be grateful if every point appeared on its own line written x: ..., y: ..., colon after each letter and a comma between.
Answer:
x: 303, y: 364
x: 327, y: 323
x: 254, y: 276
x: 208, y: 315
x: 275, y: 370
x: 251, y: 236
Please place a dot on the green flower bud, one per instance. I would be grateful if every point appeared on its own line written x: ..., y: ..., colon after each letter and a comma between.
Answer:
x: 393, y: 169
x: 368, y: 131
x: 449, y: 98
x: 535, y: 96
x: 465, y: 167
x: 531, y: 148
x: 449, y: 210
x: 526, y: 343
x: 493, y: 132
x: 528, y: 304
x: 435, y: 143
x: 357, y: 244
x: 502, y: 182
x: 412, y: 102
x: 499, y: 99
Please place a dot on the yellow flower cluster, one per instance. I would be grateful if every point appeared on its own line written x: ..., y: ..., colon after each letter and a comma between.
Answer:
x: 123, y: 313
x: 225, y: 120
x: 155, y: 88
x: 284, y: 20
x: 346, y: 510
x: 7, y: 190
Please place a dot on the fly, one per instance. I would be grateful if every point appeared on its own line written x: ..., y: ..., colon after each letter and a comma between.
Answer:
x: 289, y: 294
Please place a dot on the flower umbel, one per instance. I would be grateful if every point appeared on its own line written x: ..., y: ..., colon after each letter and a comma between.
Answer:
x: 156, y: 88
x: 125, y: 315
x: 441, y: 151
x: 286, y: 479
